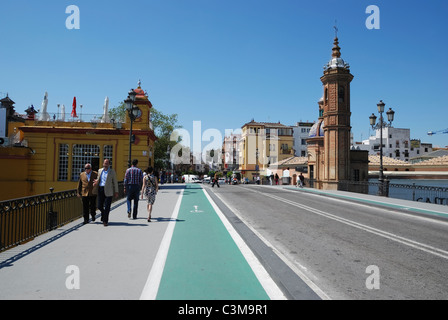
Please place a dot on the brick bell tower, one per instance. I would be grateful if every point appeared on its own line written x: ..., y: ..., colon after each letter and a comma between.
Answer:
x: 336, y: 118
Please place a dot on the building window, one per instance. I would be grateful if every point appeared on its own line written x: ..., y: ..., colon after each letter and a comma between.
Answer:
x: 254, y: 130
x: 82, y: 154
x: 285, y: 132
x: 63, y: 162
x: 356, y: 175
x: 341, y: 94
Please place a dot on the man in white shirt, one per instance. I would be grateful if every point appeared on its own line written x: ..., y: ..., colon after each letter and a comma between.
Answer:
x: 108, y: 187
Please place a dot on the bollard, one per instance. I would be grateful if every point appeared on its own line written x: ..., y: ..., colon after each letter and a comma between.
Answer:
x: 413, y: 191
x: 386, y: 187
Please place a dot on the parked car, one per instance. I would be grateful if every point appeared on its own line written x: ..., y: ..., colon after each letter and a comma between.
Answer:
x: 206, y: 180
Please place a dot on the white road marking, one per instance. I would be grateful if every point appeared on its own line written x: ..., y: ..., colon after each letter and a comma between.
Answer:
x: 153, y: 282
x: 411, y: 243
x: 302, y: 276
x: 260, y: 272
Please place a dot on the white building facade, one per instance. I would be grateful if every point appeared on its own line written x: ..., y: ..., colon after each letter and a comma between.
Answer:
x: 397, y: 144
x: 300, y: 134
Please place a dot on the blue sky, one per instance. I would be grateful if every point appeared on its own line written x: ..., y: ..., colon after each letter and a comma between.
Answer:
x: 224, y: 62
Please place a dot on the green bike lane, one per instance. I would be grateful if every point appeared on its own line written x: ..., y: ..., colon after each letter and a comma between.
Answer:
x: 203, y: 261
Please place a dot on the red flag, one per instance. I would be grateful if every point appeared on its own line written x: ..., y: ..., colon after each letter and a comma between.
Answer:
x: 74, y: 108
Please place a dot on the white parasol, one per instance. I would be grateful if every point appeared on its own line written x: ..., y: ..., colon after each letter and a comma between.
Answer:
x: 105, y: 118
x: 44, y: 116
x: 62, y: 117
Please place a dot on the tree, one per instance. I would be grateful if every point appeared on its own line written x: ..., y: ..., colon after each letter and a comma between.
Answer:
x: 163, y: 126
x: 118, y: 113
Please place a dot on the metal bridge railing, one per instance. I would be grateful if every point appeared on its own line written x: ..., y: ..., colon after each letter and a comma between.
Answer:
x: 414, y: 192
x: 23, y: 219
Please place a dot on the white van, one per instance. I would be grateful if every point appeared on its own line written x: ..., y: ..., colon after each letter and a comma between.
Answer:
x: 190, y: 178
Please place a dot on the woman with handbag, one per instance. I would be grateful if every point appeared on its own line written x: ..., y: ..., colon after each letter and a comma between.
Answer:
x: 149, y: 189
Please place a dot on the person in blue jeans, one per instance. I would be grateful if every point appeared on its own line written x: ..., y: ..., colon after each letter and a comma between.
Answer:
x: 133, y: 180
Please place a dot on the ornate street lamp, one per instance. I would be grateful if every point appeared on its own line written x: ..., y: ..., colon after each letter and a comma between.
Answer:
x: 133, y: 113
x: 382, y: 190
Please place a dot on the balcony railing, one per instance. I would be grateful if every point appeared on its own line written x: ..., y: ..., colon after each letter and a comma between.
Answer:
x: 67, y: 117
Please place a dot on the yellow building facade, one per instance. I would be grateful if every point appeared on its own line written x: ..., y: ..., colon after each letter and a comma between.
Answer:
x: 52, y: 154
x: 262, y: 144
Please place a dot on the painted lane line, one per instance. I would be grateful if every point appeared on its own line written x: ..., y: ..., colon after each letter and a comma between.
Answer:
x: 153, y: 282
x: 260, y: 272
x: 390, y: 209
x: 291, y: 265
x: 368, y: 201
x: 411, y: 243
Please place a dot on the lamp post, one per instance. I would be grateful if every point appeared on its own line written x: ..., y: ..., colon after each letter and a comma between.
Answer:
x: 169, y: 164
x: 382, y: 191
x: 257, y: 167
x: 132, y: 112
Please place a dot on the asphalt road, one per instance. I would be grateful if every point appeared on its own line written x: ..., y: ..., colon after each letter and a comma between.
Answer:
x: 347, y: 250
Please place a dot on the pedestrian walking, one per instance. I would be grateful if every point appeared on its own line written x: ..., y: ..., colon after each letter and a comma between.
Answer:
x: 301, y: 180
x: 107, y: 188
x: 149, y: 189
x: 133, y: 181
x: 88, y: 192
x: 276, y: 179
x: 215, y: 180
